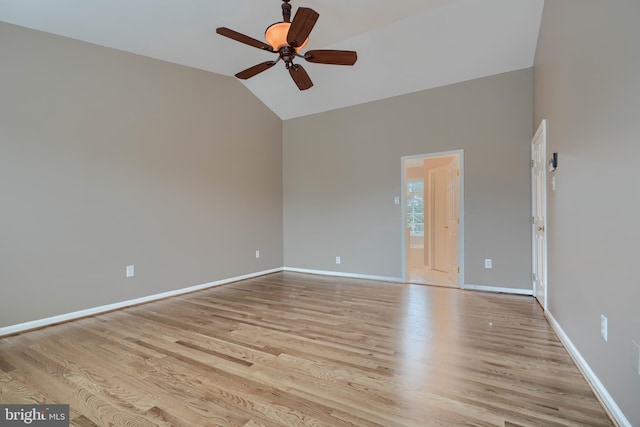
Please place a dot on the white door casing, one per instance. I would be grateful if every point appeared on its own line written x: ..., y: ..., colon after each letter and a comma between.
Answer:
x: 539, y: 213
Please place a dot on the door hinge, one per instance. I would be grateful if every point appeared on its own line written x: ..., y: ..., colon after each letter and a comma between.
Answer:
x: 458, y: 270
x: 458, y: 172
x: 533, y: 220
x: 458, y: 221
x: 533, y: 163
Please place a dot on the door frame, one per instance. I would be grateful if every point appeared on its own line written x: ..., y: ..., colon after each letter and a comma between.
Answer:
x: 403, y: 208
x: 541, y: 133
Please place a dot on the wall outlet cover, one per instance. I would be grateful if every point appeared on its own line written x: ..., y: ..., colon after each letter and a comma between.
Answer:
x: 129, y: 271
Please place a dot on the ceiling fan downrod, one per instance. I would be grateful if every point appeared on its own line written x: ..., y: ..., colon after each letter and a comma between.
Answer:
x: 286, y: 11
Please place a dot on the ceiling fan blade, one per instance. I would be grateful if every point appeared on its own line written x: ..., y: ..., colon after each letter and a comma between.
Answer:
x: 301, y: 26
x: 334, y: 57
x: 256, y: 69
x: 300, y: 77
x: 223, y: 31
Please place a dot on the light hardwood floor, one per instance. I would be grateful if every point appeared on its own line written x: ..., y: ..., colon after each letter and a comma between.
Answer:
x: 290, y: 349
x: 424, y: 276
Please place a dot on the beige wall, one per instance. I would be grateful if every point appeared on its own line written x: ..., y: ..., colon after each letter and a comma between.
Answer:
x: 587, y: 86
x: 109, y: 159
x: 435, y: 162
x: 342, y: 170
x: 415, y: 172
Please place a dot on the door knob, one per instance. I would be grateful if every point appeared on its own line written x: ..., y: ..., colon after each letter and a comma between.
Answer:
x: 541, y: 228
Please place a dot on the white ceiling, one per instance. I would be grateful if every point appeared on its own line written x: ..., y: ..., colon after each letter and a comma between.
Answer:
x: 403, y: 45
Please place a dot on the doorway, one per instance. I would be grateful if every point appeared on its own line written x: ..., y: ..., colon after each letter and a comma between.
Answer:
x: 432, y: 219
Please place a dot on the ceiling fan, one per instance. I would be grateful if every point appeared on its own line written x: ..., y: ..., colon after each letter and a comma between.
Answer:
x: 286, y: 39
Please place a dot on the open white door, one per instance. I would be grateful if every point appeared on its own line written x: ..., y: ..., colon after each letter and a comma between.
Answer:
x: 440, y: 224
x: 539, y: 213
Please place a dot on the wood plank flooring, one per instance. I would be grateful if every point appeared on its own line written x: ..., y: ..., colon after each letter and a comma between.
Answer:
x: 290, y: 349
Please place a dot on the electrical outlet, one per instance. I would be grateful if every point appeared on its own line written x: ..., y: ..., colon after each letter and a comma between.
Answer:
x: 488, y: 263
x: 604, y: 327
x: 258, y: 253
x: 636, y: 357
x: 338, y: 260
x: 129, y: 271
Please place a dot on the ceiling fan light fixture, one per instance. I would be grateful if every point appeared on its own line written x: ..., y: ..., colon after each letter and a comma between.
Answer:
x: 276, y: 36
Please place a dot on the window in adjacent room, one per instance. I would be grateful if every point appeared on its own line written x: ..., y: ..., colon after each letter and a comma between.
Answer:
x: 415, y: 207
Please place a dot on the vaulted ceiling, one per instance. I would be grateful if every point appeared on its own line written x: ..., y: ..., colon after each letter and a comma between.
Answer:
x: 403, y: 45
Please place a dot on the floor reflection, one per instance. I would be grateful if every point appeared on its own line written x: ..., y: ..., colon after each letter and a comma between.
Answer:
x: 429, y: 338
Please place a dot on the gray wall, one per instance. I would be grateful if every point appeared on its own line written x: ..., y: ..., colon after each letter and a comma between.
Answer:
x: 109, y: 159
x: 342, y: 170
x: 587, y: 85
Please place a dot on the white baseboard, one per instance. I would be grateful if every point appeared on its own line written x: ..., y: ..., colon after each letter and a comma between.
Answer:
x: 342, y: 274
x: 34, y: 324
x: 592, y: 378
x: 486, y: 288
